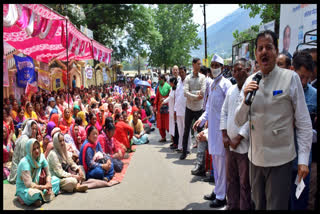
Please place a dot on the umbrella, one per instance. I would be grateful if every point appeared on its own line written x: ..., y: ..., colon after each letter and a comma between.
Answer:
x: 136, y: 80
x: 143, y: 83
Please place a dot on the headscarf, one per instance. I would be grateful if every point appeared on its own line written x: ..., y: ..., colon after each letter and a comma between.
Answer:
x: 165, y: 89
x: 35, y: 164
x: 76, y: 107
x: 82, y: 115
x: 53, y: 111
x: 55, y: 118
x: 50, y: 126
x: 67, y: 120
x: 61, y: 153
x: 101, y: 123
x: 27, y: 129
x: 8, y: 133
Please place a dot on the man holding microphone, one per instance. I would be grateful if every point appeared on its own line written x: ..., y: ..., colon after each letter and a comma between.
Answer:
x: 278, y: 106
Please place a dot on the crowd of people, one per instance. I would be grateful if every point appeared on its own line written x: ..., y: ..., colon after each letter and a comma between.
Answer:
x: 55, y: 141
x: 260, y: 152
x: 257, y: 153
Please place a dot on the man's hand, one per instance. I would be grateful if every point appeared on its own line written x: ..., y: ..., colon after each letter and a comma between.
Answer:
x: 225, y: 139
x: 250, y: 87
x: 303, y: 171
x: 196, y: 124
x: 200, y: 96
x: 201, y: 137
x: 235, y: 141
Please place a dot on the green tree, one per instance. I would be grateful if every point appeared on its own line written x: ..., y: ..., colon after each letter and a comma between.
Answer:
x: 179, y: 35
x: 128, y: 29
x: 267, y: 12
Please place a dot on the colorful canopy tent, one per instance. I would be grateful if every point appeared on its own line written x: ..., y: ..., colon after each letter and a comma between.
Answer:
x: 43, y: 34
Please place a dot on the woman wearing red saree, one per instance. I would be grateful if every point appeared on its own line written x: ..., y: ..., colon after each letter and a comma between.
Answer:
x: 122, y: 130
x: 162, y: 119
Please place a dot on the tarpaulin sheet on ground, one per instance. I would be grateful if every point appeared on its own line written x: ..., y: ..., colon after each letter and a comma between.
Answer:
x: 40, y: 32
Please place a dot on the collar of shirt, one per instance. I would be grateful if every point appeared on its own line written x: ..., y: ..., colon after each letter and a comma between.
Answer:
x: 195, y: 76
x: 270, y: 73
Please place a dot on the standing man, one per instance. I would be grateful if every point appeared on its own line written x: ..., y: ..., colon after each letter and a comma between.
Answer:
x: 277, y: 108
x: 237, y: 138
x: 218, y: 90
x: 283, y: 61
x: 175, y: 72
x: 194, y: 89
x: 180, y: 108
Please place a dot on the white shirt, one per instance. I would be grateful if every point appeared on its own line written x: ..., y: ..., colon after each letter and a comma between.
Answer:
x: 231, y: 102
x: 301, y: 117
x: 181, y: 100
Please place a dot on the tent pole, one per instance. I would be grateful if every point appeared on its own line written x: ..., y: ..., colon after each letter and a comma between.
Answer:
x: 67, y: 59
x: 95, y: 72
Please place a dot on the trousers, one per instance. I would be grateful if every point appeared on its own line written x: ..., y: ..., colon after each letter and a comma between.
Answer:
x: 189, y: 116
x: 176, y: 134
x: 271, y: 186
x: 201, y: 153
x: 180, y: 123
x: 219, y: 171
x: 238, y: 184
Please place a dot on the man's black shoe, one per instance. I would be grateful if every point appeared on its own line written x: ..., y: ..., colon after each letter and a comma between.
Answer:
x: 183, y: 156
x: 179, y: 150
x: 210, y: 197
x: 198, y: 171
x: 216, y: 203
x: 209, y: 179
x: 174, y: 146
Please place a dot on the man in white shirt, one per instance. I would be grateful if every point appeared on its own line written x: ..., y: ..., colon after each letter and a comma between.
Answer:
x: 237, y: 139
x: 278, y: 106
x: 217, y: 93
x: 180, y: 108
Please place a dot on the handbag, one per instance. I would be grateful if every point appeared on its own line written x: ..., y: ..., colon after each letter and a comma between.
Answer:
x: 66, y: 167
x: 164, y: 109
x: 117, y: 165
x: 42, y: 178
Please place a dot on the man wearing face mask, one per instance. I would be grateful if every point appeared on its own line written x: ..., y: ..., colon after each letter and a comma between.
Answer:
x: 217, y: 93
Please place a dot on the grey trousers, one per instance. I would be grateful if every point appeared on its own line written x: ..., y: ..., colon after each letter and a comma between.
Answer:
x: 271, y: 186
x: 201, y: 153
x: 238, y: 184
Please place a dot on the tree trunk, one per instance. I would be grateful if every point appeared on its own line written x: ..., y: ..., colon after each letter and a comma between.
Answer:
x: 138, y: 65
x: 165, y: 68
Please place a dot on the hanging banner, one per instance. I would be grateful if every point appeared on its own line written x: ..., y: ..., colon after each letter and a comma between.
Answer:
x: 44, y: 80
x: 267, y: 26
x: 31, y: 88
x: 25, y: 70
x: 89, y: 72
x: 295, y: 21
x: 5, y: 73
x: 56, y: 79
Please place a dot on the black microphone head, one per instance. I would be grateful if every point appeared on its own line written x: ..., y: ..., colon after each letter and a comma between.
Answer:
x: 257, y: 77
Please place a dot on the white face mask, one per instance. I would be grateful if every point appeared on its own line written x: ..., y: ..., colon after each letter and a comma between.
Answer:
x: 215, y: 72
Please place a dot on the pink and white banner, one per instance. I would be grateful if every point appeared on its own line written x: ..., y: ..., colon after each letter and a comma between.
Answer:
x: 39, y: 32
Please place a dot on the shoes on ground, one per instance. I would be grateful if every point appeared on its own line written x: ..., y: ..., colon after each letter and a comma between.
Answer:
x: 183, y: 156
x: 179, y: 150
x: 216, y: 203
x: 163, y: 140
x: 210, y: 197
x: 209, y: 179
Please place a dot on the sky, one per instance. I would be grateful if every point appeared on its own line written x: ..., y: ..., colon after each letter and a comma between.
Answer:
x: 214, y: 13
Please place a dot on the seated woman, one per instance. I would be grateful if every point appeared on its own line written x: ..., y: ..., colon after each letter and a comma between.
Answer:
x: 139, y: 136
x: 60, y: 161
x: 28, y: 189
x: 7, y: 150
x: 30, y: 131
x: 109, y: 144
x: 29, y: 113
x: 122, y: 131
x: 93, y: 122
x: 67, y: 119
x: 82, y: 115
x: 94, y: 166
x: 148, y: 110
x: 78, y: 134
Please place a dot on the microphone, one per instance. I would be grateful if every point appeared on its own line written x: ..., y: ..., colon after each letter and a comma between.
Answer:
x: 251, y: 94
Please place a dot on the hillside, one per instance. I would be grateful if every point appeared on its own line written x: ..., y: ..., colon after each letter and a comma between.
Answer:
x: 219, y: 35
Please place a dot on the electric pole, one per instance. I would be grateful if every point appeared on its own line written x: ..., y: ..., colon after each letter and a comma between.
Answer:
x: 205, y: 31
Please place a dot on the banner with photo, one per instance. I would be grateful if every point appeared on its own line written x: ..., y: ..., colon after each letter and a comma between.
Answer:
x: 44, y: 80
x: 295, y: 21
x: 25, y: 70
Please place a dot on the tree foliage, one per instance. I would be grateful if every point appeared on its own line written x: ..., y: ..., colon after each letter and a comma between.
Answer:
x: 179, y: 35
x: 127, y: 29
x: 267, y: 12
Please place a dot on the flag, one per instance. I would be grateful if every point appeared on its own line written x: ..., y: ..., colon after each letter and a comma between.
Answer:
x: 25, y: 70
x: 31, y: 88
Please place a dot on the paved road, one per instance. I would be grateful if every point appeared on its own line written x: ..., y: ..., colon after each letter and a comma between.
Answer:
x: 155, y: 180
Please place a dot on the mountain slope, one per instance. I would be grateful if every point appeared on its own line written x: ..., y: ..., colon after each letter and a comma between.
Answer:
x: 219, y: 35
